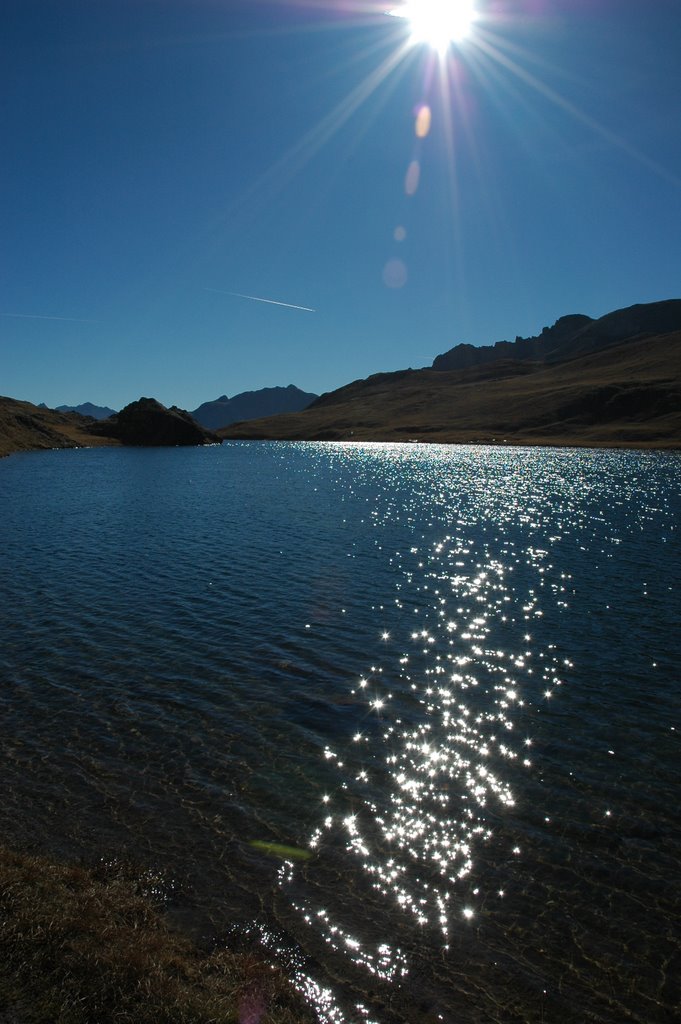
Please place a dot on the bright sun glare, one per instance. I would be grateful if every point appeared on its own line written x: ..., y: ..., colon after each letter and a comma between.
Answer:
x: 437, y: 22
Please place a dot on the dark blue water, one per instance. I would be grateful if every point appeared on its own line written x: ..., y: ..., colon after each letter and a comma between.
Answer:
x: 445, y: 678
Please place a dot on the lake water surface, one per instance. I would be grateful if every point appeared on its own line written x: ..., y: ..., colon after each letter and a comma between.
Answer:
x: 444, y: 678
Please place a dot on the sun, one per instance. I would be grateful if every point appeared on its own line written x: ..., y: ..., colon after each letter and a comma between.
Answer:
x: 438, y: 23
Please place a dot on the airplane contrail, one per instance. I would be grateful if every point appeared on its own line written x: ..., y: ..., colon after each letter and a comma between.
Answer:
x: 39, y: 316
x: 257, y: 298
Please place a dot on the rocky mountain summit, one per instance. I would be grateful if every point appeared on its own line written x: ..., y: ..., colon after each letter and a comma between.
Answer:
x: 572, y: 335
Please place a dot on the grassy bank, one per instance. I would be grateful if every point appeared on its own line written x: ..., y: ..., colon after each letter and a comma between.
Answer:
x: 79, y: 946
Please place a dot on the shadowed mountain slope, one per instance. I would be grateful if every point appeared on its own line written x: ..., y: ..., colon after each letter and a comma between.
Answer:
x: 624, y: 394
x: 251, y: 405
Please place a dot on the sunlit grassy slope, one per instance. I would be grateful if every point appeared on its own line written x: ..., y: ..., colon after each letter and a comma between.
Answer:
x: 26, y: 427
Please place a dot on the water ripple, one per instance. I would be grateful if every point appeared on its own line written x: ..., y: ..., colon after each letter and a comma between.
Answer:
x: 447, y: 672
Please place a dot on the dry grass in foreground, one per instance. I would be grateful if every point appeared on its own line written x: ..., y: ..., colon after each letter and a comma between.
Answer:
x: 81, y: 946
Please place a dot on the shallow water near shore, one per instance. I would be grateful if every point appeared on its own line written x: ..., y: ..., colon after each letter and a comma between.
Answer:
x: 406, y: 715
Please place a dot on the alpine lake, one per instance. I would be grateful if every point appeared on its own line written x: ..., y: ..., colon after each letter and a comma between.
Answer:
x: 406, y: 718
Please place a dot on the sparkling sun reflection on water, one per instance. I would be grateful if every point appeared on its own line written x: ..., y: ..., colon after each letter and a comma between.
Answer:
x: 405, y: 716
x: 427, y: 787
x: 445, y: 739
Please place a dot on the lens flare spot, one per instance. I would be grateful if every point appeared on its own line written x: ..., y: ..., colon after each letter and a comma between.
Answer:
x: 423, y: 118
x: 395, y: 274
x: 411, y: 180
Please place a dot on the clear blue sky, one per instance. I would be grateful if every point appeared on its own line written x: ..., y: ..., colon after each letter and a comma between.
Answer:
x: 158, y: 154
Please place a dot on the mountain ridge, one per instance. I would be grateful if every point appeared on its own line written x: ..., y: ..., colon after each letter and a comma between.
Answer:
x: 581, y: 333
x: 95, y: 412
x: 615, y: 380
x: 221, y: 411
x: 611, y: 381
x: 252, y: 405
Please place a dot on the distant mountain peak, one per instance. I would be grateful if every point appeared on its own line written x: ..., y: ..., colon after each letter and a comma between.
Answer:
x: 97, y: 412
x: 249, y: 405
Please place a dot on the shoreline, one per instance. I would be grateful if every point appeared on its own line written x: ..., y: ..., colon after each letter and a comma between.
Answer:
x: 668, y: 446
x: 91, y: 943
x: 475, y: 440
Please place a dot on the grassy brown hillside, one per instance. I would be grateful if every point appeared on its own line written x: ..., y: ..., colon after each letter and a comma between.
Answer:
x: 26, y: 427
x: 628, y: 394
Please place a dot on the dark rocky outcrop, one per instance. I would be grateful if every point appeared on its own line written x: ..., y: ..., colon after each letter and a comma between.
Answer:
x: 147, y: 422
x: 251, y: 405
